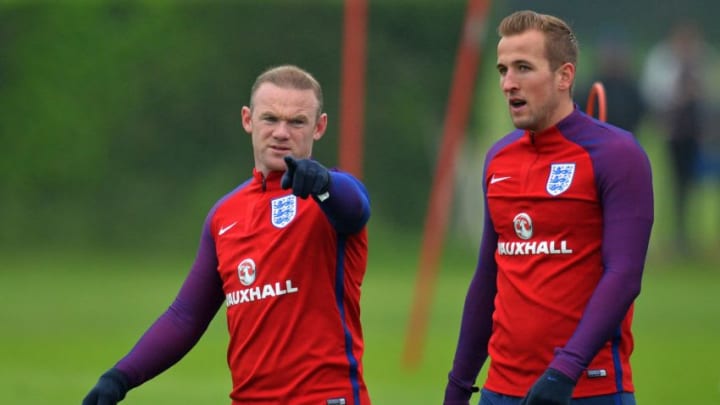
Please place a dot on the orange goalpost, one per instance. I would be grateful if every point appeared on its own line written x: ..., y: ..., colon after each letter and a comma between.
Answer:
x: 597, y: 92
x: 456, y: 118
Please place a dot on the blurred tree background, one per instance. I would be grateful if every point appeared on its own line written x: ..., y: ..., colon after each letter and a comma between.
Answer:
x: 120, y: 120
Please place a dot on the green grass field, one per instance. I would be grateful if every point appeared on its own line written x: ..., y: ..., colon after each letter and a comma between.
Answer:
x: 67, y: 317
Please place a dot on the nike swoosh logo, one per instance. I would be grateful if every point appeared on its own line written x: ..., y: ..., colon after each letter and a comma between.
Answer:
x: 494, y: 179
x: 226, y: 228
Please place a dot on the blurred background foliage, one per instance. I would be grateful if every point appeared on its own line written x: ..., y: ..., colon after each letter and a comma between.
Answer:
x: 120, y: 120
x: 115, y: 115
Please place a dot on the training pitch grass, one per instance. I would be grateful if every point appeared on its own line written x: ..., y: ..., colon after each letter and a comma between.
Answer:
x: 68, y: 317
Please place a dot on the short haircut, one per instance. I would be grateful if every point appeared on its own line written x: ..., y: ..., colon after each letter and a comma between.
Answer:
x: 561, y: 45
x: 289, y: 76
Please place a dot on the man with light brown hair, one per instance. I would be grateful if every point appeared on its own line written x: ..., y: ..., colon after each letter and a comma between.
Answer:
x: 567, y: 218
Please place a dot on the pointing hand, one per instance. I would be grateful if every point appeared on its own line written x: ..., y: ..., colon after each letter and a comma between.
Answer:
x: 306, y: 177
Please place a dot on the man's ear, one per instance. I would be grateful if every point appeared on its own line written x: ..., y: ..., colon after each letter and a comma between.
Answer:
x: 320, y: 126
x: 566, y: 76
x: 246, y: 114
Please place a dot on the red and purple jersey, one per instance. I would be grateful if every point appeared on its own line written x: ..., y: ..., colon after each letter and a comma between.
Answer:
x: 289, y: 271
x: 568, y: 214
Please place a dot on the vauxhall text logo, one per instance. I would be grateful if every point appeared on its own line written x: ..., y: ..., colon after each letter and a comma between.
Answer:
x: 524, y: 229
x: 247, y: 274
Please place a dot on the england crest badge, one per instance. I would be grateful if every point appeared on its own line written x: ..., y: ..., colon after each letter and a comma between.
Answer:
x: 283, y: 210
x: 560, y: 178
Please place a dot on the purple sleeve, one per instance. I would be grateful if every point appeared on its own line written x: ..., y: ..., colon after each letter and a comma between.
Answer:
x: 476, y: 324
x: 625, y: 188
x: 177, y: 330
x: 348, y: 207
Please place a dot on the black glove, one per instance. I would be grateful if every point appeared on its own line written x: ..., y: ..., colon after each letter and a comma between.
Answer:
x: 109, y: 390
x: 552, y: 388
x: 306, y: 177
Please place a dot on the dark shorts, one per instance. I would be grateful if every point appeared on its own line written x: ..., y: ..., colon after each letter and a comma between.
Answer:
x: 492, y: 398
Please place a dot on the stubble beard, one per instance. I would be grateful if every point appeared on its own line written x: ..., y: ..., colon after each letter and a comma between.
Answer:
x: 527, y: 121
x: 534, y: 120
